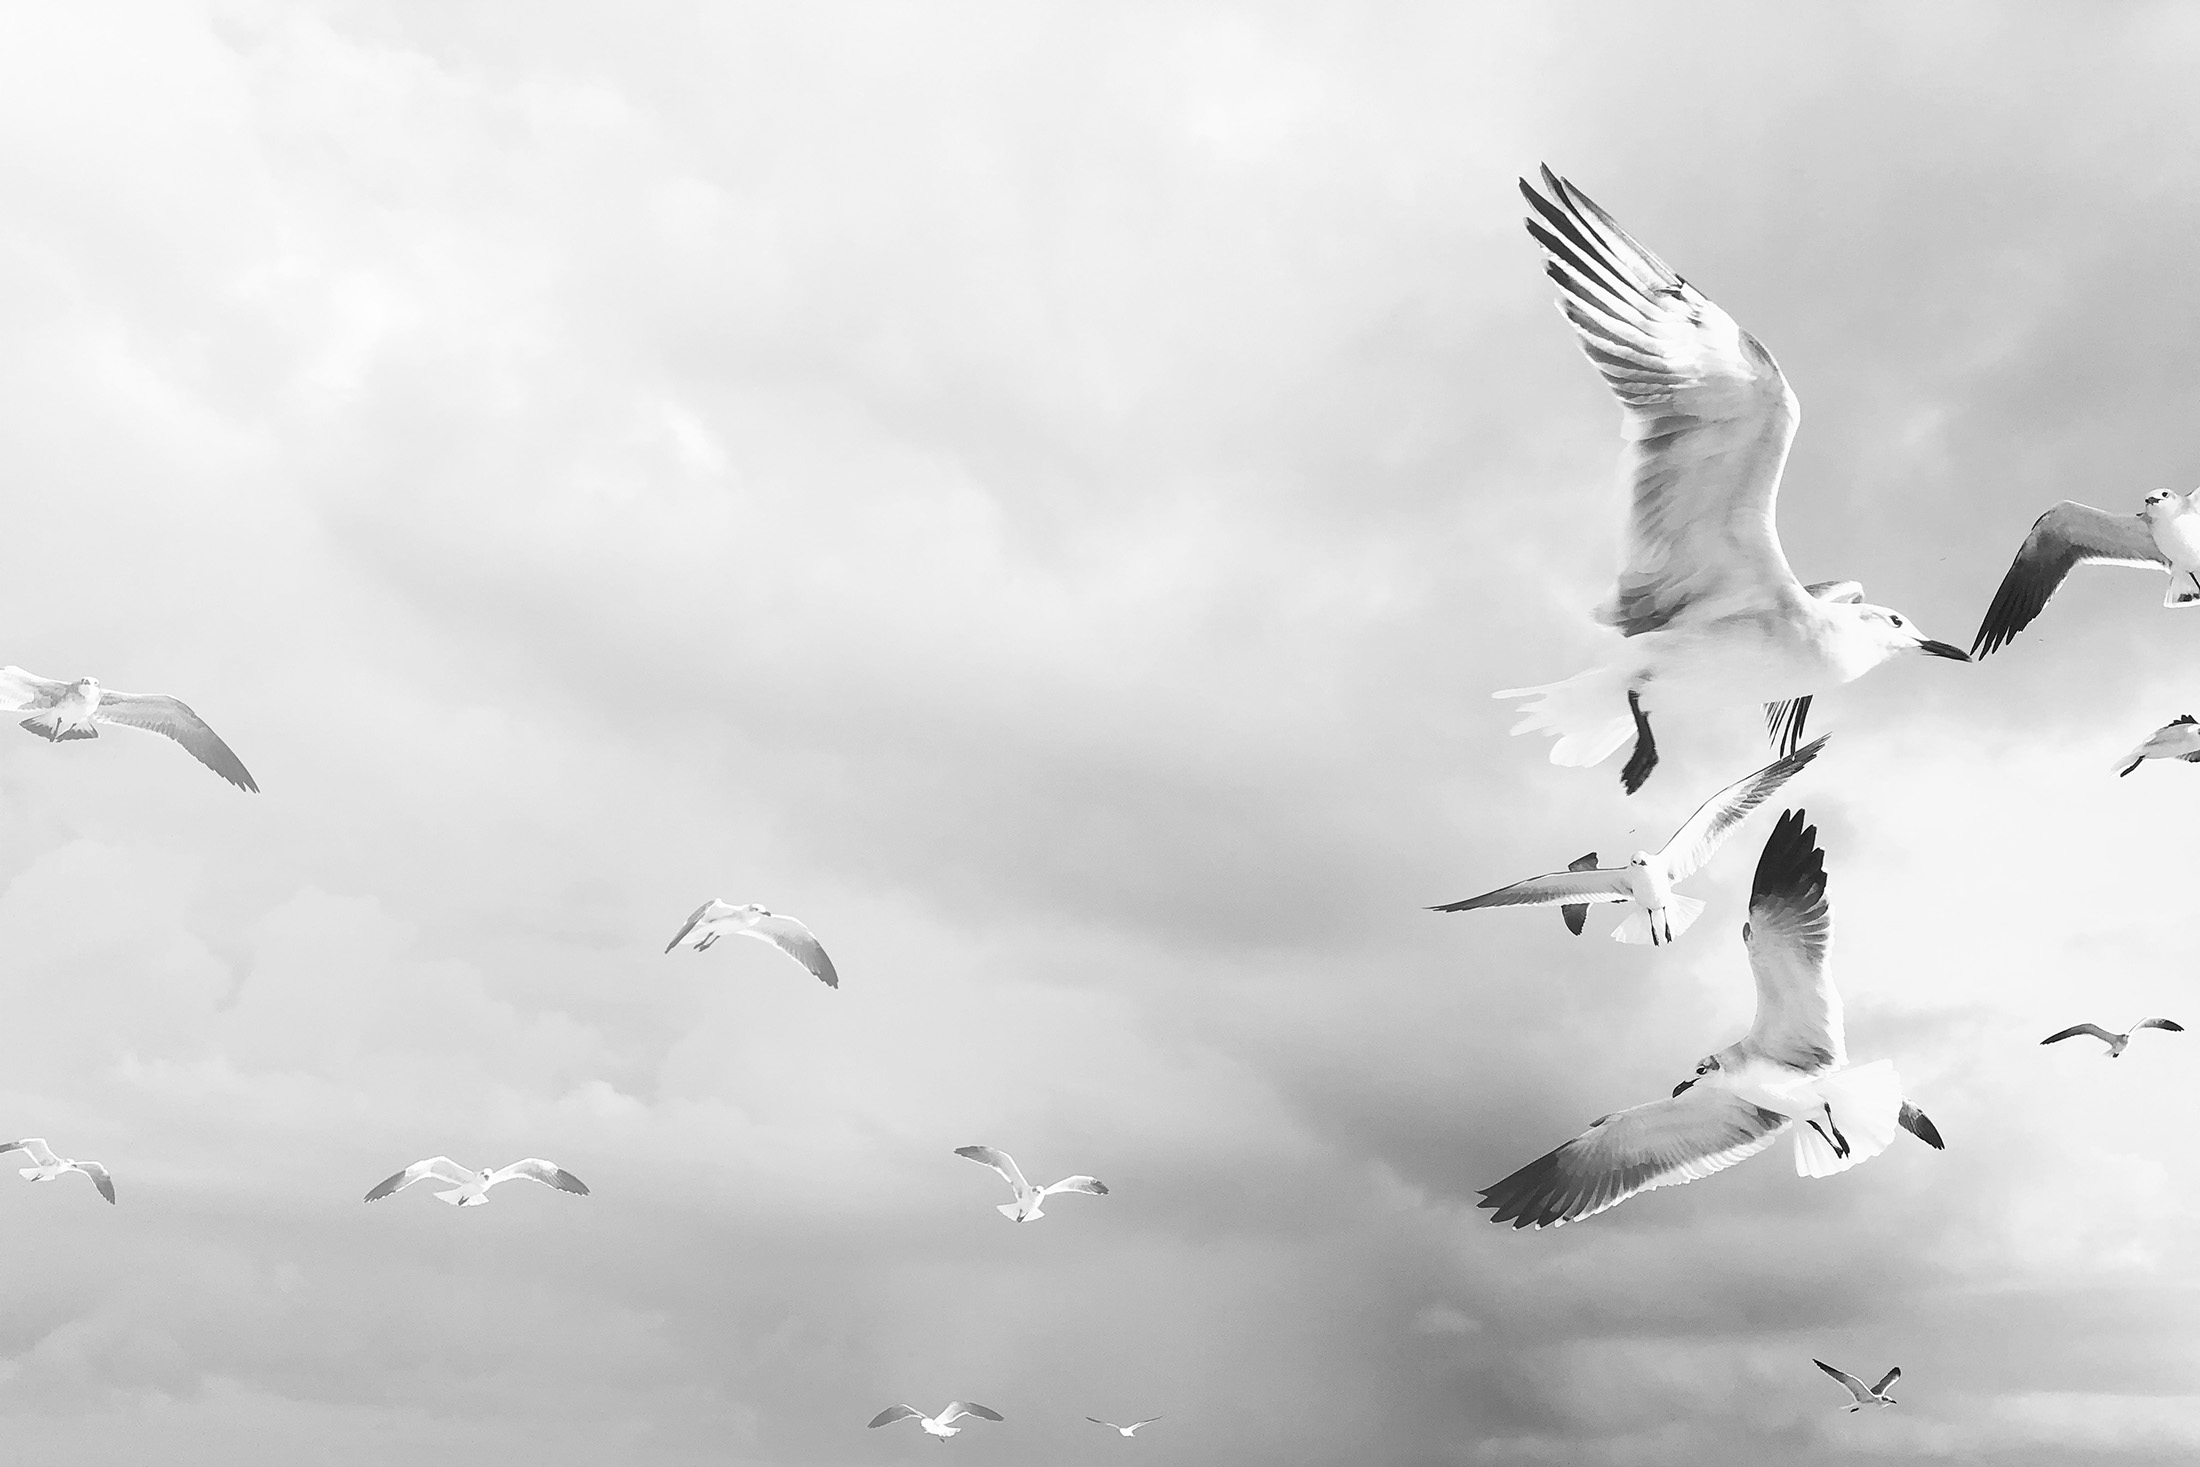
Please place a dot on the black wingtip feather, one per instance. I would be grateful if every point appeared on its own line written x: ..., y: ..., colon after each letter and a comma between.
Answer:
x: 1791, y: 863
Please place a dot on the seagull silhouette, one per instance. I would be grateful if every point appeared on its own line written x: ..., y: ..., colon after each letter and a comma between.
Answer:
x: 1865, y: 1395
x: 48, y: 1166
x: 2177, y: 739
x: 1026, y: 1207
x: 471, y: 1188
x: 2164, y: 535
x: 2113, y: 1040
x: 1130, y: 1430
x: 715, y: 919
x: 61, y: 711
x: 938, y: 1425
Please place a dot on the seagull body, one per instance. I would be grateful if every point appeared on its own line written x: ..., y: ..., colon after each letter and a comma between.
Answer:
x: 47, y: 1166
x: 1790, y: 1072
x: 61, y: 711
x: 1710, y: 611
x: 1865, y: 1395
x: 471, y: 1188
x: 715, y: 919
x: 2177, y: 739
x: 2164, y: 535
x: 1647, y: 879
x: 1130, y: 1430
x: 938, y: 1425
x: 1026, y: 1207
x: 2114, y: 1041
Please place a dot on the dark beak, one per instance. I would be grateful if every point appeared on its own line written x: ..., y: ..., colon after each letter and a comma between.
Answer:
x: 1942, y: 649
x: 1677, y: 1089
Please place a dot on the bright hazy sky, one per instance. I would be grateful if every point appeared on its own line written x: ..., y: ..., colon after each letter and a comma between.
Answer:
x: 1043, y: 493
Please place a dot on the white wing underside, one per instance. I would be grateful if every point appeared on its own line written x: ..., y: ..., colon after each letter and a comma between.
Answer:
x: 1706, y: 830
x: 1798, y: 1020
x: 1000, y: 1161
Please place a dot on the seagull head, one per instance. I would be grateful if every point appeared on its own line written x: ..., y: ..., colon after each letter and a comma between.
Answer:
x: 2160, y: 502
x: 1891, y: 633
x: 1704, y: 1067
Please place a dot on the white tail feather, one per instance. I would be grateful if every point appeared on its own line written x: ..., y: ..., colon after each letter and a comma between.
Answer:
x: 1681, y: 913
x: 1588, y: 713
x: 2184, y: 590
x: 1867, y: 1108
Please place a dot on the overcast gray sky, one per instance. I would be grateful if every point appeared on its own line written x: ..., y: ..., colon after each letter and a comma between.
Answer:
x: 1044, y: 493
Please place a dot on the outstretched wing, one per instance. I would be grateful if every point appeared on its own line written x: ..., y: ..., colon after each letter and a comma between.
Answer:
x: 689, y: 926
x: 1694, y: 1133
x: 895, y: 1413
x: 2076, y: 1029
x: 797, y: 942
x: 1078, y: 1184
x: 21, y: 691
x: 2170, y: 1024
x: 100, y: 1179
x: 1000, y: 1161
x: 535, y: 1169
x: 968, y: 1408
x: 1856, y: 1387
x: 35, y: 1148
x: 1147, y: 1422
x: 161, y: 714
x: 2067, y: 536
x: 1556, y: 888
x: 442, y: 1168
x: 1887, y: 1380
x: 1576, y: 914
x: 1707, y: 829
x: 1798, y: 1009
x: 1706, y: 417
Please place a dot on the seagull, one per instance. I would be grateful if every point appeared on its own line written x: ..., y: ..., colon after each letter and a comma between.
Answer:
x: 1647, y: 880
x: 473, y: 1187
x: 1708, y: 606
x: 2164, y: 535
x: 1865, y: 1395
x: 1026, y: 1207
x: 938, y: 1425
x: 48, y: 1166
x: 61, y: 711
x: 2115, y: 1042
x: 1790, y: 1072
x: 2177, y: 739
x: 1130, y: 1430
x: 714, y: 919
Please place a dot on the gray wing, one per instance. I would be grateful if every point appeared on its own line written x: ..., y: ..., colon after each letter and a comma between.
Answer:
x: 968, y: 1408
x: 797, y: 942
x: 1706, y: 417
x: 1798, y: 1009
x: 1556, y: 888
x: 2067, y: 536
x: 1000, y: 1161
x: 1856, y: 1387
x: 2076, y: 1029
x: 35, y: 1148
x: 442, y: 1168
x: 1707, y: 829
x: 2170, y: 1024
x: 21, y: 691
x: 1576, y: 914
x: 1692, y: 1134
x: 1887, y: 1380
x: 549, y: 1173
x: 1086, y: 1185
x: 689, y: 926
x: 1920, y: 1125
x: 100, y: 1179
x: 158, y: 713
x: 895, y: 1413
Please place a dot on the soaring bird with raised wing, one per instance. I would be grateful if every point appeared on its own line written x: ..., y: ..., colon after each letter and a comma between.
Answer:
x: 471, y: 1188
x: 1790, y: 1072
x: 47, y: 1166
x: 2113, y: 1040
x: 939, y: 1425
x: 1709, y: 609
x: 1130, y: 1430
x: 62, y: 711
x: 1647, y: 880
x: 1026, y: 1207
x: 2177, y: 739
x: 715, y: 919
x: 1865, y: 1395
x: 2164, y: 535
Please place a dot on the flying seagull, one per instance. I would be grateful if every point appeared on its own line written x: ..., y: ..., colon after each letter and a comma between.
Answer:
x: 1647, y: 880
x: 1026, y: 1207
x: 1709, y: 608
x: 1130, y: 1430
x: 2164, y: 535
x: 2177, y: 739
x: 715, y: 919
x: 48, y: 1166
x: 2115, y: 1042
x: 1790, y: 1072
x: 471, y: 1188
x: 61, y: 711
x: 1865, y: 1395
x: 938, y: 1425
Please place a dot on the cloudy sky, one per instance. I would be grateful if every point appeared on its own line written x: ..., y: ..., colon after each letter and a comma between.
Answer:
x: 1044, y: 493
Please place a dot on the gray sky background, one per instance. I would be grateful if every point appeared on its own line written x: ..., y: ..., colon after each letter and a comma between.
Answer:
x: 1044, y: 493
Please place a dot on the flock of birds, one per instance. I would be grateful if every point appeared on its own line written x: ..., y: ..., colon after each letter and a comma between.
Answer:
x: 1710, y: 614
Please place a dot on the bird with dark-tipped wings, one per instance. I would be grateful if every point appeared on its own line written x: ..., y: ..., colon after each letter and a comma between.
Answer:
x: 1865, y: 1395
x: 2164, y: 535
x: 61, y: 711
x: 2110, y: 1037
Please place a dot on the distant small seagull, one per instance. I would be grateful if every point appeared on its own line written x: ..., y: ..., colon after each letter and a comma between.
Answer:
x: 938, y: 1425
x: 63, y: 711
x: 1647, y: 880
x: 50, y: 1166
x: 715, y: 919
x: 2177, y: 739
x: 1865, y: 1395
x: 2164, y: 535
x: 1790, y: 1072
x: 2115, y: 1042
x: 1710, y: 610
x: 471, y: 1188
x: 1130, y: 1430
x: 1026, y: 1207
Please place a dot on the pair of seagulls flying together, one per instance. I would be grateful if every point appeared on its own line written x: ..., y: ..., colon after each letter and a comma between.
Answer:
x: 715, y: 919
x: 1647, y: 880
x: 471, y: 1188
x: 45, y: 1166
x: 942, y: 1425
x: 1029, y: 1200
x: 2114, y: 1041
x: 1707, y: 605
x: 61, y: 711
x: 1790, y: 1072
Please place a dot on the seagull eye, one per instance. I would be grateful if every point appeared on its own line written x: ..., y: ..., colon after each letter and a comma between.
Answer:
x: 1896, y: 620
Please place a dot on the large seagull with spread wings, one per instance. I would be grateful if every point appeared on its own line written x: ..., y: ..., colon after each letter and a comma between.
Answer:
x: 60, y: 711
x: 1711, y: 613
